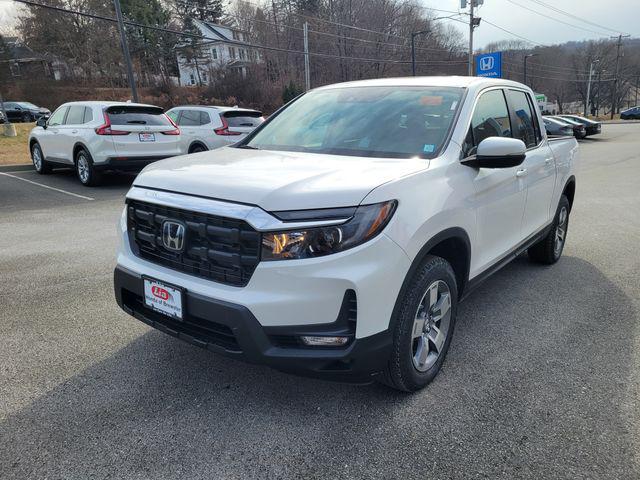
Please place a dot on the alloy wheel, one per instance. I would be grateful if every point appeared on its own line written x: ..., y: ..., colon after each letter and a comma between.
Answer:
x: 561, y: 231
x: 37, y: 158
x: 83, y: 168
x: 431, y: 325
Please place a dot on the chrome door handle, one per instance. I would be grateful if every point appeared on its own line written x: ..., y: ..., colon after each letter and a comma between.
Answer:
x: 521, y: 173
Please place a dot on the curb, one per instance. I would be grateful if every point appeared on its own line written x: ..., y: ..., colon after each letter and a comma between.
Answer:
x: 23, y: 167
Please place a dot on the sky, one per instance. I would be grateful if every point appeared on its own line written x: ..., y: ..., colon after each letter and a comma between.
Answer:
x: 620, y: 16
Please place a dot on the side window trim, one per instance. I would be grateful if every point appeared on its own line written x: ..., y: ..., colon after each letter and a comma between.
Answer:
x: 473, y: 111
x: 533, y: 113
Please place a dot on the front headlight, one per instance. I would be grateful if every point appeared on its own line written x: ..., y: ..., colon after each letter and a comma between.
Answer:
x: 367, y: 222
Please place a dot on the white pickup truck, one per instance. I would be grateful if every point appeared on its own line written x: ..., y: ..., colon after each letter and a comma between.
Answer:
x: 338, y: 238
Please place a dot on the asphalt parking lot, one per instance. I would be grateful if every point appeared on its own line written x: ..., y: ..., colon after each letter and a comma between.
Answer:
x: 542, y: 379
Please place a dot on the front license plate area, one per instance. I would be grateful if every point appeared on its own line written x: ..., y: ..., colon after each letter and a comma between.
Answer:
x: 163, y: 298
x: 147, y: 137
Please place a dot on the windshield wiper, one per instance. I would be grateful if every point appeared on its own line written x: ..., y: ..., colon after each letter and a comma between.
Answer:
x: 136, y: 122
x: 248, y: 147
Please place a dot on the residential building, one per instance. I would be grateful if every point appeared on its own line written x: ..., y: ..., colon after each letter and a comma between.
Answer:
x: 225, y: 48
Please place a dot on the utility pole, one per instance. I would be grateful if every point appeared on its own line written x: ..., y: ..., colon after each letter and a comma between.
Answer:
x: 529, y: 55
x: 473, y: 23
x: 614, y: 96
x: 598, y: 97
x: 587, y: 101
x: 637, y: 85
x: 471, y: 27
x: 125, y: 51
x: 307, y: 75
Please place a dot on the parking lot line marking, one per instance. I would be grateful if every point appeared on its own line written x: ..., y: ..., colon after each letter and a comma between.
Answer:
x: 47, y: 186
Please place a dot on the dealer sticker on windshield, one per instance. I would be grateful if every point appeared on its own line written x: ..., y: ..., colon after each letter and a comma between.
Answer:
x: 163, y: 298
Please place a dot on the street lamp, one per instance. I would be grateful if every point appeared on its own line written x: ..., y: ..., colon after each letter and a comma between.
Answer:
x: 413, y: 43
x: 413, y: 49
x: 587, y: 100
x: 528, y: 55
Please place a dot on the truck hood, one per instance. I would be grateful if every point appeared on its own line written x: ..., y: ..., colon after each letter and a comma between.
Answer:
x: 275, y: 180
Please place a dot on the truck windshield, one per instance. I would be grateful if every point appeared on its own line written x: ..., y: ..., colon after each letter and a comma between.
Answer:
x: 388, y: 122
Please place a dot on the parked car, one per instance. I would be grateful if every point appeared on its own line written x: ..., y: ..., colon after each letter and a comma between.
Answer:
x: 24, y: 111
x: 591, y: 127
x: 331, y: 244
x: 207, y: 127
x: 630, y: 114
x: 94, y: 137
x: 556, y: 127
x: 3, y: 119
x: 579, y: 130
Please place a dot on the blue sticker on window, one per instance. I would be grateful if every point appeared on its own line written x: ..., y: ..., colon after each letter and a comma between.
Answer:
x: 429, y: 148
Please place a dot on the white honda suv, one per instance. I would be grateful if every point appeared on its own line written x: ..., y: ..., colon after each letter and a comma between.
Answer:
x: 205, y: 127
x: 93, y: 137
x: 338, y: 238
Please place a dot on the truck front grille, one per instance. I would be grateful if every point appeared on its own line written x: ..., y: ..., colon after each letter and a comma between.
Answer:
x: 221, y: 249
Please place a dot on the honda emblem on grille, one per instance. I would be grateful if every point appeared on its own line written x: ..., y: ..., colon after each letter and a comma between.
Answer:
x: 173, y: 235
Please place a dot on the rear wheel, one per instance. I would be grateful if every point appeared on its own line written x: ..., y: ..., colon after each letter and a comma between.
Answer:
x: 197, y: 149
x: 86, y: 171
x: 26, y: 117
x: 423, y: 327
x: 549, y: 249
x: 39, y: 163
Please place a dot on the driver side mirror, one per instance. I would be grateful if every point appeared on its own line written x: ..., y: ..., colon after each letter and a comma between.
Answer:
x: 42, y: 122
x: 498, y: 152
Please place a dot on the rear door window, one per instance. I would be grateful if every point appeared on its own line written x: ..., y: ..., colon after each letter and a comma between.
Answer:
x: 243, y: 119
x: 88, y: 115
x: 524, y: 127
x: 189, y: 118
x: 204, y: 118
x: 75, y: 115
x: 126, y: 115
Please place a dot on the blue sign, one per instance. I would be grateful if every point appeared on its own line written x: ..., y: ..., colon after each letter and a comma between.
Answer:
x: 489, y: 65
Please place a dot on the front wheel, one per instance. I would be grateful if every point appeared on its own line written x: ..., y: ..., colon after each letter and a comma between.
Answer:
x: 39, y: 163
x: 549, y: 249
x: 86, y: 171
x: 423, y: 326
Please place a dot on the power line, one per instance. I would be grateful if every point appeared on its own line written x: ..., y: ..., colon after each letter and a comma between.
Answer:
x: 335, y: 35
x: 557, y: 20
x: 317, y: 32
x: 514, y: 34
x: 575, y: 17
x: 550, y: 68
x: 230, y: 42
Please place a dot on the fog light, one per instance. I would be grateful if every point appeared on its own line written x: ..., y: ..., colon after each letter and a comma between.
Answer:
x: 313, y: 341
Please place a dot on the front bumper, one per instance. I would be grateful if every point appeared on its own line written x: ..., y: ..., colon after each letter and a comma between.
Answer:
x: 232, y: 330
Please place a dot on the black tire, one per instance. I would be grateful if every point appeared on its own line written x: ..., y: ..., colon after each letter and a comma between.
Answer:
x: 85, y: 170
x: 197, y: 149
x: 26, y: 117
x: 39, y: 163
x: 402, y: 373
x: 549, y: 250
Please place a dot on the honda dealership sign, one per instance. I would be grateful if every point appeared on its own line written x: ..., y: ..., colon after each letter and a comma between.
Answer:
x: 489, y: 65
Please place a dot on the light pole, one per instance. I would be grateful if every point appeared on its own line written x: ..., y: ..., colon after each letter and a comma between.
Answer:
x: 413, y: 49
x: 587, y: 100
x: 413, y: 43
x: 528, y: 55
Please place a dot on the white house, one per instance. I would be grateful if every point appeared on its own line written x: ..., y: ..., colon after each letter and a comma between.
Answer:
x: 197, y: 65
